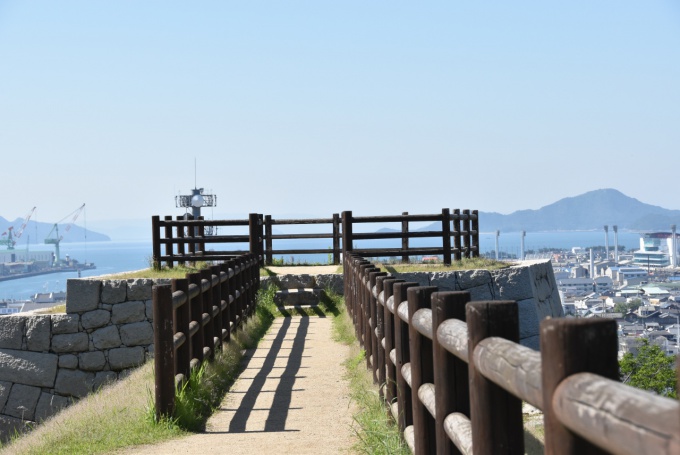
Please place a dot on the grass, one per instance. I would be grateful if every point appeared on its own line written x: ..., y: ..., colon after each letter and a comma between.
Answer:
x: 122, y: 414
x: 464, y: 264
x: 374, y: 431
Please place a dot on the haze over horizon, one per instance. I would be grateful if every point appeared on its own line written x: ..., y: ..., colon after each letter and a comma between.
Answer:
x: 312, y: 108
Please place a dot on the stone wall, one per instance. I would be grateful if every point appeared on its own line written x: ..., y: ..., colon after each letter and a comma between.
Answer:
x: 48, y: 361
x: 531, y: 283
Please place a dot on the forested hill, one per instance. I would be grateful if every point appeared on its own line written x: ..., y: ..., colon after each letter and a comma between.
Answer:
x: 591, y: 210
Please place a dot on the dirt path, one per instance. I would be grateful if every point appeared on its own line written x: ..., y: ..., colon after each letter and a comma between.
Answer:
x: 290, y: 398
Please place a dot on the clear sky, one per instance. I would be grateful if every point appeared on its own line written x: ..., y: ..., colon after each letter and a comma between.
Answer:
x: 307, y: 108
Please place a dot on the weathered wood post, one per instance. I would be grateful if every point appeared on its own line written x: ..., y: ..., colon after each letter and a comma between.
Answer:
x: 182, y: 324
x: 208, y: 330
x: 446, y: 236
x: 458, y: 249
x: 196, y: 304
x: 380, y: 331
x: 217, y: 305
x: 366, y: 299
x: 336, y: 239
x: 268, y: 239
x: 164, y: 358
x: 495, y: 414
x: 225, y: 292
x: 404, y: 239
x: 570, y: 346
x: 201, y: 236
x: 467, y: 234
x: 169, y: 247
x: 451, y: 385
x: 254, y: 233
x: 475, y: 233
x: 180, y: 245
x: 360, y: 305
x: 401, y: 345
x: 233, y: 304
x: 388, y: 324
x: 422, y: 371
x: 156, y: 241
x: 373, y: 326
x: 347, y: 236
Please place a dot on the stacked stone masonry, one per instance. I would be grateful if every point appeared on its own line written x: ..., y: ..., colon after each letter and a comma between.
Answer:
x: 49, y: 361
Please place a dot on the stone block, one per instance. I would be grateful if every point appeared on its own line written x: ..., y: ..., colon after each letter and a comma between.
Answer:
x: 49, y: 404
x: 38, y: 333
x: 422, y: 278
x: 95, y: 319
x: 149, y: 310
x: 4, y: 393
x: 295, y: 281
x: 127, y: 312
x: 92, y: 361
x: 104, y: 378
x: 468, y: 279
x: 65, y: 323
x: 82, y: 295
x: 531, y: 342
x: 12, y: 331
x: 106, y: 338
x: 71, y: 342
x: 114, y: 291
x: 22, y: 401
x: 483, y: 292
x: 122, y: 358
x: 514, y: 283
x: 136, y: 334
x: 332, y: 282
x: 74, y: 383
x: 445, y: 281
x: 140, y: 289
x: 30, y: 368
x: 528, y: 318
x: 69, y: 361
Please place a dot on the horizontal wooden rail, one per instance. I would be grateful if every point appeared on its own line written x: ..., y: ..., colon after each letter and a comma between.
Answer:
x: 461, y: 375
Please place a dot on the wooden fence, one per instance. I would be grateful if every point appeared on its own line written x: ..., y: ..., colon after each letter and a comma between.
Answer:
x: 183, y: 240
x: 194, y: 316
x: 454, y: 375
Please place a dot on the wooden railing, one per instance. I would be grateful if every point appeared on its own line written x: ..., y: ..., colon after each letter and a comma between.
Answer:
x: 454, y: 375
x: 194, y: 316
x: 180, y: 240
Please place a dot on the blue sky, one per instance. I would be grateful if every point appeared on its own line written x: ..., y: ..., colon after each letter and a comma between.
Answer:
x: 310, y: 108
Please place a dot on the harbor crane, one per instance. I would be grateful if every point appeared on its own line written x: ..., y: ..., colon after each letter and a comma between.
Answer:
x: 13, y: 237
x: 56, y: 240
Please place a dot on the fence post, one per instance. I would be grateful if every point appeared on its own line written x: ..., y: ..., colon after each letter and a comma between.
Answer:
x: 268, y: 239
x: 164, y: 358
x: 217, y: 307
x: 373, y: 322
x: 347, y: 239
x: 388, y: 322
x: 182, y: 321
x: 466, y: 235
x: 336, y: 239
x: 156, y: 241
x: 452, y: 391
x: 225, y: 293
x: 366, y: 297
x: 446, y: 236
x: 196, y: 304
x: 570, y: 346
x: 495, y: 415
x: 404, y: 239
x: 180, y: 245
x: 401, y: 344
x: 475, y: 233
x: 201, y: 236
x: 233, y: 322
x: 254, y: 233
x: 422, y: 371
x: 380, y: 330
x: 458, y: 250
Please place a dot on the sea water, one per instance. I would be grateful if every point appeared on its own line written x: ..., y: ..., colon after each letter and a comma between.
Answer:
x: 114, y: 257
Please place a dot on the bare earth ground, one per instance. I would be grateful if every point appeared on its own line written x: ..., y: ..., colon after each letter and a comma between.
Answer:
x: 291, y: 397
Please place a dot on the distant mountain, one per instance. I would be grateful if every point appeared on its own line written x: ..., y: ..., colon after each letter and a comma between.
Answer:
x: 591, y: 210
x: 36, y: 232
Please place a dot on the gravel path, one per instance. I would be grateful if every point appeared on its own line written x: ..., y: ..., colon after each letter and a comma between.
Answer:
x: 290, y: 398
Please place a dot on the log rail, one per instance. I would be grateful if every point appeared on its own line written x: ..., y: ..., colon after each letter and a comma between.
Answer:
x: 193, y: 316
x: 454, y: 376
